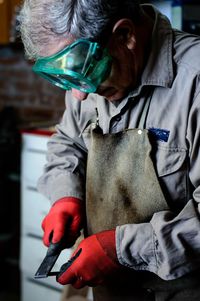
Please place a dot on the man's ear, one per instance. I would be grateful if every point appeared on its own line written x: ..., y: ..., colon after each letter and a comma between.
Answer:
x: 124, y: 31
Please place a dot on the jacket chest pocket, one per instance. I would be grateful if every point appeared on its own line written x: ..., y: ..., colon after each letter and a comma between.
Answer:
x: 172, y: 170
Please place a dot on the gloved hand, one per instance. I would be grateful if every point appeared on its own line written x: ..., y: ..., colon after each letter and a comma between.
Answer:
x: 96, y: 262
x: 64, y: 221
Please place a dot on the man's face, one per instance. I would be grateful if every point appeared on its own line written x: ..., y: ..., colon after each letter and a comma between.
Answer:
x: 123, y: 75
x: 124, y: 71
x: 122, y: 78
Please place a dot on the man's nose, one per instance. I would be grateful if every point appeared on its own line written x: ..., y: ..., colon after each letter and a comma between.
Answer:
x: 79, y: 94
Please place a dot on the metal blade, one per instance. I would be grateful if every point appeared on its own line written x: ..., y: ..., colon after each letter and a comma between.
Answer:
x: 48, y: 262
x: 46, y: 266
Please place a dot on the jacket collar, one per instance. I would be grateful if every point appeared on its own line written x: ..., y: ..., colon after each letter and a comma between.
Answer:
x: 159, y: 67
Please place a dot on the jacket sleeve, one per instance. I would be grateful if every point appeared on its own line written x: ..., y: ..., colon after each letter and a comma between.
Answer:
x: 169, y: 245
x: 64, y: 172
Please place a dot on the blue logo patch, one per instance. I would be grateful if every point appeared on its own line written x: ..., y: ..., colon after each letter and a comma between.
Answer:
x: 160, y: 134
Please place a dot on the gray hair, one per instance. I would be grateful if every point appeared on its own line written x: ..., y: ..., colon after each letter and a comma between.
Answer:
x: 44, y: 23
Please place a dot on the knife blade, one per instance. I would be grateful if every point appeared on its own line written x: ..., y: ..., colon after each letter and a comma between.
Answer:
x: 49, y: 260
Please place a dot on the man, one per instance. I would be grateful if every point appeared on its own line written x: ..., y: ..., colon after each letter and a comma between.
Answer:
x: 137, y: 135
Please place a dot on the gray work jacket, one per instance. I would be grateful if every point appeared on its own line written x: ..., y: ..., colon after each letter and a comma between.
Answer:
x: 169, y: 245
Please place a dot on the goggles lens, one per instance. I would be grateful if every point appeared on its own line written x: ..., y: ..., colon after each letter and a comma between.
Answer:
x: 83, y: 65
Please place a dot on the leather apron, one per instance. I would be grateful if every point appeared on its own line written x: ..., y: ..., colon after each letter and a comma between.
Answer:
x: 122, y: 187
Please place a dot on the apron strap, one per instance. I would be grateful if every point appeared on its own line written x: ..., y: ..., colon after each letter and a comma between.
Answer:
x: 143, y: 118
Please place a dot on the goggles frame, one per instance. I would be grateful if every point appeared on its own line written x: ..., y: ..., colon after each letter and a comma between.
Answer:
x: 95, y: 67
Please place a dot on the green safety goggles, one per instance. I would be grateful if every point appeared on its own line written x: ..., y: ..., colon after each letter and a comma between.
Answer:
x: 83, y: 65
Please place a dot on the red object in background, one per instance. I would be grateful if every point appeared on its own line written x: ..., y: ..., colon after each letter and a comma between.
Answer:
x: 42, y: 132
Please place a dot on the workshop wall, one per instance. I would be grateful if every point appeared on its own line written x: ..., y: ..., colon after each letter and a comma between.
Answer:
x: 26, y: 101
x: 33, y: 98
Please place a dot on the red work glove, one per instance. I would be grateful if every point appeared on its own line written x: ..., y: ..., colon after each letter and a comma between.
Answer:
x: 97, y: 261
x: 64, y: 220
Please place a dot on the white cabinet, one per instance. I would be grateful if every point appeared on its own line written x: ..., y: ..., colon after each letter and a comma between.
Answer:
x: 34, y: 208
x: 32, y: 291
x: 37, y: 207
